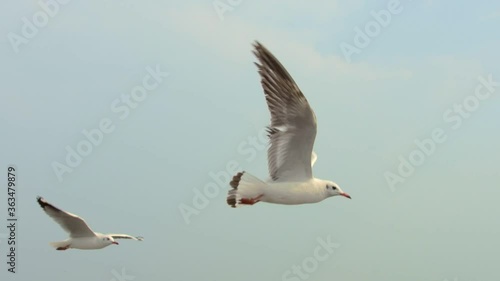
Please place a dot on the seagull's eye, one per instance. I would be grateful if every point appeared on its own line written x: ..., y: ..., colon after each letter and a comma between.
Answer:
x: 334, y: 188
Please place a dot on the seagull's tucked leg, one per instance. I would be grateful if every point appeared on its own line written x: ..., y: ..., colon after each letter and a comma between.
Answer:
x: 247, y: 190
x: 62, y: 248
x: 61, y: 245
x: 250, y: 201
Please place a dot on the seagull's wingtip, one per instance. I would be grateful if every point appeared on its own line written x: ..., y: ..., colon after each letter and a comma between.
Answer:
x: 41, y: 201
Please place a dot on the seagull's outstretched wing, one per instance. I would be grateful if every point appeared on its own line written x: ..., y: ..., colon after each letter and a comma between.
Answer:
x: 126, y: 236
x: 73, y: 224
x: 293, y: 123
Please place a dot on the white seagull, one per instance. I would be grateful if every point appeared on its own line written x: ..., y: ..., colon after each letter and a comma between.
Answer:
x: 290, y: 155
x: 80, y: 234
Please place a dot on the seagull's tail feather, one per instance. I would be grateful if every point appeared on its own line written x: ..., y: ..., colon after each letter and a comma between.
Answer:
x: 245, y: 186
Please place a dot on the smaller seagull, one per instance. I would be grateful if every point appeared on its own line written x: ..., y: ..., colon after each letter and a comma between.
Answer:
x: 80, y: 234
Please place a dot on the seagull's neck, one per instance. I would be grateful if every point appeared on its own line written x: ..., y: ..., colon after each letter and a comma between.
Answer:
x: 320, y: 185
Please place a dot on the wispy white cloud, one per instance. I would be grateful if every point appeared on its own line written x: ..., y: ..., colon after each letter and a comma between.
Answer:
x: 232, y: 41
x: 316, y: 12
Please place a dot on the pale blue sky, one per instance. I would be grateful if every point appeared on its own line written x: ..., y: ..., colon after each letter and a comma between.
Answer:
x: 438, y: 224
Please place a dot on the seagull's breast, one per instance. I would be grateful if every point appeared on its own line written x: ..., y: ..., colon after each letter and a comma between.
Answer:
x: 294, y: 193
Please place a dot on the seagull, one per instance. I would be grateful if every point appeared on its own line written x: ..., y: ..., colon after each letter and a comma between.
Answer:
x: 80, y: 234
x: 290, y: 154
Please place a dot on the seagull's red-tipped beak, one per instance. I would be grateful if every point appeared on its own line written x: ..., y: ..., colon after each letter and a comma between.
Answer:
x: 116, y: 243
x: 345, y: 195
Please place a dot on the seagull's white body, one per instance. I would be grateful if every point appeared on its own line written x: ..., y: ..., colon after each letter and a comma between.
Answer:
x: 293, y: 193
x: 83, y: 243
x: 290, y: 155
x: 80, y: 235
x: 286, y: 193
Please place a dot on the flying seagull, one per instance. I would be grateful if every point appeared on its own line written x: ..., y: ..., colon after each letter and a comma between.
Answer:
x: 290, y: 155
x: 80, y: 234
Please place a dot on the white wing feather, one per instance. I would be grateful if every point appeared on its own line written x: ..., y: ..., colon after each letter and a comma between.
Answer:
x: 126, y: 236
x: 73, y: 224
x: 293, y: 124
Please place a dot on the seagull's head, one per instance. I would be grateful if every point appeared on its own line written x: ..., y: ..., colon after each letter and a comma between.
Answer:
x: 333, y: 189
x: 109, y: 240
